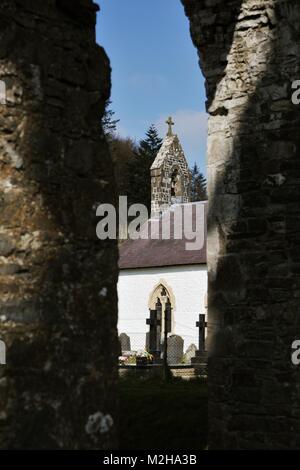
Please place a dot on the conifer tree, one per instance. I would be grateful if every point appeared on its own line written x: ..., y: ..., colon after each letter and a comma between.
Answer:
x: 198, y: 185
x: 109, y: 124
x: 139, y: 168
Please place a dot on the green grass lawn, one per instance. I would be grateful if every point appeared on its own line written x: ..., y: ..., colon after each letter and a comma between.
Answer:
x: 163, y: 415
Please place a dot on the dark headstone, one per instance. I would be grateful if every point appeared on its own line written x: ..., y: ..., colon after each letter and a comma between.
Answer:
x: 125, y: 342
x: 175, y: 349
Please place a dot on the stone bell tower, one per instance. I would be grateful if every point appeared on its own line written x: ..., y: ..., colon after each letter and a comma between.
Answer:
x: 170, y: 175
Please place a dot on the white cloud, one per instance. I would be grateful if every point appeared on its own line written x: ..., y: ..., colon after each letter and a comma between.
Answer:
x: 191, y: 128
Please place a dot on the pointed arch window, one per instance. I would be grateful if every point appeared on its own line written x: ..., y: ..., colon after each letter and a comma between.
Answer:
x: 163, y: 296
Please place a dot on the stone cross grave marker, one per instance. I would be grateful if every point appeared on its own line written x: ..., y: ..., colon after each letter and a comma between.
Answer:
x: 154, y: 338
x: 201, y: 324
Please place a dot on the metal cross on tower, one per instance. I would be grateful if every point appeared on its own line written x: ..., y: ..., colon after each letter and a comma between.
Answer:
x: 170, y: 123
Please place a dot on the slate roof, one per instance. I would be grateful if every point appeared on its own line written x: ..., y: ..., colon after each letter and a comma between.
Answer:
x: 148, y: 253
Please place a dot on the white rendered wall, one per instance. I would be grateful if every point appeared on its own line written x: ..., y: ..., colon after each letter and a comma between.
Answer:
x: 189, y: 287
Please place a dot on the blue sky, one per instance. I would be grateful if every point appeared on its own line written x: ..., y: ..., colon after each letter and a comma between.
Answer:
x: 155, y: 71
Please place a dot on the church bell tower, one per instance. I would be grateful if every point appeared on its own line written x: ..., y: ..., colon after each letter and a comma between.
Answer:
x: 170, y: 175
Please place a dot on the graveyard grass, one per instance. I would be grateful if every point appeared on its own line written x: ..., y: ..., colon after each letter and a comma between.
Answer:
x: 162, y: 415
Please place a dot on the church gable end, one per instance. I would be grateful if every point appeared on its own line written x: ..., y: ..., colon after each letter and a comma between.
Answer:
x: 170, y: 175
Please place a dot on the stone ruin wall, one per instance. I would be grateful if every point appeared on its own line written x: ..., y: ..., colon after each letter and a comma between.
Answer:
x: 58, y: 303
x: 250, y: 54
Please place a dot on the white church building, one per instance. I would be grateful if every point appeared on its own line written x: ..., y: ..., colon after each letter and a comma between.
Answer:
x: 169, y: 266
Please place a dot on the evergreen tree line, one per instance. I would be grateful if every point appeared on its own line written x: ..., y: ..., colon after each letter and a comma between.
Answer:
x: 133, y: 161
